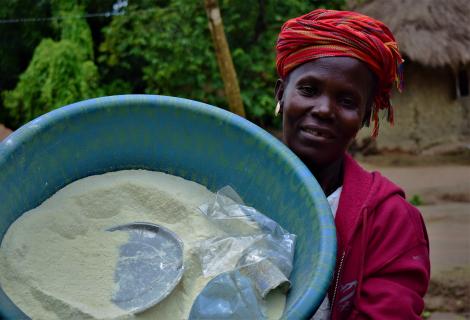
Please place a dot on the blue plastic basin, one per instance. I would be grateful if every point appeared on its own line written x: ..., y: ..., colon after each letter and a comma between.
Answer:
x: 190, y: 139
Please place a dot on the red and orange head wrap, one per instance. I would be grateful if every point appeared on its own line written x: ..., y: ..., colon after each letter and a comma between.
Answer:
x: 331, y: 33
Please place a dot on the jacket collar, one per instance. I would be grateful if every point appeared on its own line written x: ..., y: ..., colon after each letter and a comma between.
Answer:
x: 356, y: 187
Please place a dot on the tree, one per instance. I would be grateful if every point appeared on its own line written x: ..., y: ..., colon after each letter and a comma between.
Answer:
x: 60, y: 72
x: 161, y: 50
x: 18, y: 41
x: 224, y: 58
x: 156, y: 46
x: 167, y: 49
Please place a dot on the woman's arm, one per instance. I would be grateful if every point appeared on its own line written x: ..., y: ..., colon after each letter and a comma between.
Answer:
x: 396, y: 264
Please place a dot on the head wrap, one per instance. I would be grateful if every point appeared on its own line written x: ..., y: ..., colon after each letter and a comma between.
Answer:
x: 331, y: 33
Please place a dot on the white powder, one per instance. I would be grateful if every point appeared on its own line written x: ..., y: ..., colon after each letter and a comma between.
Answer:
x: 57, y: 262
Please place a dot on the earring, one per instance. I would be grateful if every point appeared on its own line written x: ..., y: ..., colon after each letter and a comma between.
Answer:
x: 278, y: 109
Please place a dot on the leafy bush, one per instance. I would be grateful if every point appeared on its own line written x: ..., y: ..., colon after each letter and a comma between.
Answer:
x: 156, y: 46
x: 416, y: 200
x: 60, y: 72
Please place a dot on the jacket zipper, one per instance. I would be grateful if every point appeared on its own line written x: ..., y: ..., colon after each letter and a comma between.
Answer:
x: 337, y: 280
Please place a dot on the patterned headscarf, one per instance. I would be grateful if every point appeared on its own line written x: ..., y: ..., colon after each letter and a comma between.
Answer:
x: 331, y: 33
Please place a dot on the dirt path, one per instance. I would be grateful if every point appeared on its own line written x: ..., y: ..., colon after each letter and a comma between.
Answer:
x: 444, y: 192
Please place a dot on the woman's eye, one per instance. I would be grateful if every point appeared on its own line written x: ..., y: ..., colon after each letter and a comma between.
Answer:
x: 308, y: 90
x: 348, y: 102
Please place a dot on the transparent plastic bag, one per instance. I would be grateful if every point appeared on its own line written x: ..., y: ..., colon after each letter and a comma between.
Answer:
x: 230, y: 295
x: 255, y: 257
x: 222, y: 254
x: 251, y: 237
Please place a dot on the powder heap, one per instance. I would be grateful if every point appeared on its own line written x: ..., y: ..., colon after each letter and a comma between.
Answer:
x: 58, y: 262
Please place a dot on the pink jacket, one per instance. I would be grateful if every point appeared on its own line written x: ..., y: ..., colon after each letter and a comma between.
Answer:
x: 382, y: 269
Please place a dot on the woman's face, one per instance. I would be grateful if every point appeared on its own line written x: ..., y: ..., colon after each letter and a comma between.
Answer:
x: 323, y: 103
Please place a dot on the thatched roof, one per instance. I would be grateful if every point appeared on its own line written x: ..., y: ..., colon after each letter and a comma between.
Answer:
x: 430, y: 32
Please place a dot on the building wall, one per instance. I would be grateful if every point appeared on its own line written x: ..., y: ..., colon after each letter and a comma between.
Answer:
x: 427, y: 112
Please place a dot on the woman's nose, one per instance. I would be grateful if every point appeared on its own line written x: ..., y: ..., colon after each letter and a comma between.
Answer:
x: 323, y: 107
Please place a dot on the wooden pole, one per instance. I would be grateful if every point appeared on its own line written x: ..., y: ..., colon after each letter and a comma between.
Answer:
x: 224, y: 58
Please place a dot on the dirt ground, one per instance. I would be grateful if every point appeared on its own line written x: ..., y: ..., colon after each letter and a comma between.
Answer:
x: 442, y: 190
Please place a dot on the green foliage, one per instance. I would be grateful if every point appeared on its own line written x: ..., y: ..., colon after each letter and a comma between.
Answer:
x: 156, y: 51
x: 157, y: 46
x: 60, y: 72
x: 76, y: 30
x: 426, y: 314
x: 18, y: 41
x: 416, y: 200
x: 168, y: 50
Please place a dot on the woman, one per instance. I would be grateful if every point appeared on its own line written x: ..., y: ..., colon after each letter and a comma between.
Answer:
x: 336, y: 72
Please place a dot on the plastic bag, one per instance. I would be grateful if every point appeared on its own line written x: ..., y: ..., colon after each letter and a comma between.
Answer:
x: 230, y: 295
x: 251, y: 237
x: 255, y: 257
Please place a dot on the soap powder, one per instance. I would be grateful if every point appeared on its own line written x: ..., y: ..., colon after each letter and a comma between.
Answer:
x: 57, y: 262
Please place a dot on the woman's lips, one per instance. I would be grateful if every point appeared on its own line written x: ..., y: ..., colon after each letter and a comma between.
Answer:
x: 318, y: 133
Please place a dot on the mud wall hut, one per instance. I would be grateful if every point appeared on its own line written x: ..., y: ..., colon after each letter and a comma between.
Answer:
x: 434, y: 109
